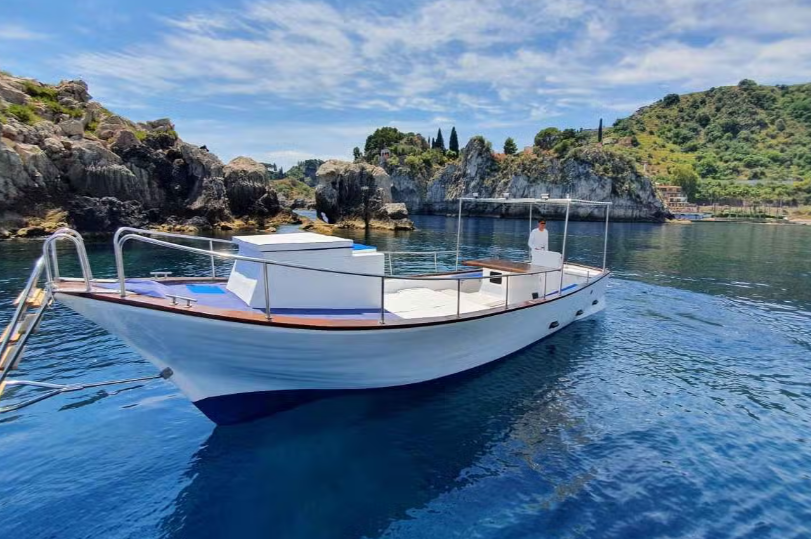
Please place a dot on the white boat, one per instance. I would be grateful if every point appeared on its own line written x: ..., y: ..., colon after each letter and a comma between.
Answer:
x: 303, y: 315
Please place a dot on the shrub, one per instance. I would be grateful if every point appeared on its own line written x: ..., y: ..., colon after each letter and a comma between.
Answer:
x: 546, y: 138
x: 671, y: 99
x: 24, y: 113
x: 45, y: 93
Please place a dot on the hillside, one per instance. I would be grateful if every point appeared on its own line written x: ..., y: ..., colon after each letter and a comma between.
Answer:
x: 745, y: 144
x: 65, y: 159
x: 744, y: 132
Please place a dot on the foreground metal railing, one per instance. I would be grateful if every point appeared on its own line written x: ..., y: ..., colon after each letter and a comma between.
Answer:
x: 144, y: 236
x: 389, y: 256
x: 22, y: 325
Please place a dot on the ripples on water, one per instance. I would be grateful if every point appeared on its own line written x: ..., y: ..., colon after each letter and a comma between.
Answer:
x: 682, y: 410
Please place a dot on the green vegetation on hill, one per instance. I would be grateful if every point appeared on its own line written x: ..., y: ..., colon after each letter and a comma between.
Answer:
x: 732, y: 145
x: 744, y: 132
x: 291, y: 189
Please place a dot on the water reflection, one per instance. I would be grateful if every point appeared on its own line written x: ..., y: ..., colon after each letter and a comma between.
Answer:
x: 352, y: 465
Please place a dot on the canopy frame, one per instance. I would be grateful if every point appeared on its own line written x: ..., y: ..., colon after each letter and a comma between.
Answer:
x: 567, y: 202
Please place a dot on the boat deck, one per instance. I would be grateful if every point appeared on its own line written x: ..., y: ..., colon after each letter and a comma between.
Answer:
x: 405, y: 302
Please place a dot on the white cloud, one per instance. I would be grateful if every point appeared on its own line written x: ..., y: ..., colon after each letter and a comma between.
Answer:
x: 16, y: 32
x: 498, y: 62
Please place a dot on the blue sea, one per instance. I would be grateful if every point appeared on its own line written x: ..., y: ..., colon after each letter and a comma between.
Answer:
x: 682, y: 410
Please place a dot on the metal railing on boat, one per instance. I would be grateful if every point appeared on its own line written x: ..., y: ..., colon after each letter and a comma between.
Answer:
x: 389, y: 255
x: 144, y: 236
x: 22, y: 325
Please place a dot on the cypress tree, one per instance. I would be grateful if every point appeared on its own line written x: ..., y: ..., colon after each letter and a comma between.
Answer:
x: 440, y: 142
x: 600, y: 131
x: 453, y: 143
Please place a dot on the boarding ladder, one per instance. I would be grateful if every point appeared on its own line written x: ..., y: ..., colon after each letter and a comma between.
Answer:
x: 30, y: 307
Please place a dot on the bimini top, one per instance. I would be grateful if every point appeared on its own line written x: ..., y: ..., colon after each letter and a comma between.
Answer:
x: 558, y: 201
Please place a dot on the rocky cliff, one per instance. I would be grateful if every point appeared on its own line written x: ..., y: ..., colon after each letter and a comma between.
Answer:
x: 65, y: 159
x: 591, y: 173
x: 358, y: 195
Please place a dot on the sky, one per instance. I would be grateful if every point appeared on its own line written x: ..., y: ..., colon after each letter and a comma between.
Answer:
x: 282, y: 81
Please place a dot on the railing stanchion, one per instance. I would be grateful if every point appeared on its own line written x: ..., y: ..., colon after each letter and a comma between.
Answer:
x: 545, y: 277
x: 267, y: 289
x: 458, y: 298
x: 507, y: 293
x: 55, y: 262
x: 213, y: 268
x: 382, y: 300
x: 605, y: 239
x: 563, y: 251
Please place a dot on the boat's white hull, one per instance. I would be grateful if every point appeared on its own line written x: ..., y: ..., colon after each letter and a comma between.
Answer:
x: 223, y: 366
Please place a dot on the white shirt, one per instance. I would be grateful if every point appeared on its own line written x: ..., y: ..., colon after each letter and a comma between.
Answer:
x: 539, y: 239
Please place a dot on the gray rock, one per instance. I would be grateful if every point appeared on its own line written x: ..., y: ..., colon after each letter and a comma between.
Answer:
x: 74, y: 89
x: 14, y: 179
x: 9, y: 132
x: 124, y: 141
x: 248, y: 187
x: 110, y: 125
x: 12, y: 92
x: 69, y: 102
x: 72, y: 128
x: 162, y: 124
x: 395, y: 210
x: 105, y: 214
x: 212, y: 201
x: 53, y: 146
x: 349, y: 191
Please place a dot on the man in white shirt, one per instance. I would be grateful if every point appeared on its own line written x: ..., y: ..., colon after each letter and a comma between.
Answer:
x: 538, y: 241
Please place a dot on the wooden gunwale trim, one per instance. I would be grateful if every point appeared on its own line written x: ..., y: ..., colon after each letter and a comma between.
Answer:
x: 504, y: 265
x: 293, y: 322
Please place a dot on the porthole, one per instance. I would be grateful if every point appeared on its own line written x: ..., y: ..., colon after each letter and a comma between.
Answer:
x: 595, y: 302
x: 578, y: 313
x: 554, y: 324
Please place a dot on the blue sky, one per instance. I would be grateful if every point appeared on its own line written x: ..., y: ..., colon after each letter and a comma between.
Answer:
x: 284, y: 81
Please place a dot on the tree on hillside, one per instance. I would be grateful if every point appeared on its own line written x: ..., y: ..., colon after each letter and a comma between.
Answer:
x: 510, y: 148
x: 356, y: 153
x: 671, y: 99
x: 546, y: 138
x: 453, y: 143
x: 383, y: 137
x: 686, y: 177
x: 439, y: 142
x: 600, y: 131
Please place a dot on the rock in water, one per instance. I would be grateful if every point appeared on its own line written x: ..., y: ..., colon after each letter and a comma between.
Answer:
x: 105, y: 214
x: 357, y: 193
x: 248, y: 187
x: 585, y: 173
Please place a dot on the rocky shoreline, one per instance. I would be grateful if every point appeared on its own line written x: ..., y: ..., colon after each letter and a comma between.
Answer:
x: 66, y: 160
x: 349, y: 191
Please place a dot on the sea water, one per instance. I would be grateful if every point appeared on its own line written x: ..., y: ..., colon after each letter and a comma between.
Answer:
x: 682, y: 410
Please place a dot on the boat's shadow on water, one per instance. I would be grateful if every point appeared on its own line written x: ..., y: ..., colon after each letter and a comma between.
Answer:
x: 349, y: 466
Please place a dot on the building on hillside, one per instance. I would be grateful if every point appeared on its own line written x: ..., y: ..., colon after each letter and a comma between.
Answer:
x: 676, y: 203
x: 673, y: 198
